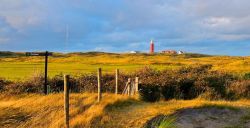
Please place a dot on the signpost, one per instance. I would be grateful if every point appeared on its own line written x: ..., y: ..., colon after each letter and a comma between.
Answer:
x: 45, y: 54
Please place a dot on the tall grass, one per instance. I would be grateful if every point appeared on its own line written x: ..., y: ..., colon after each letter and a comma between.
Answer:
x: 39, y: 111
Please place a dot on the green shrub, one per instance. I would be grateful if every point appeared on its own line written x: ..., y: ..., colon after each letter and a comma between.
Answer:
x: 169, y: 92
x: 247, y: 76
x: 149, y: 93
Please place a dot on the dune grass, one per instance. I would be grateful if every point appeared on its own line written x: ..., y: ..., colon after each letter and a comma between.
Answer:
x: 33, y: 110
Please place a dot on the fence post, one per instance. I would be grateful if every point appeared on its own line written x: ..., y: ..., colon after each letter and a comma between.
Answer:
x: 129, y: 86
x: 46, y: 73
x: 99, y: 77
x: 136, y: 84
x: 116, y: 81
x: 48, y: 89
x: 66, y: 100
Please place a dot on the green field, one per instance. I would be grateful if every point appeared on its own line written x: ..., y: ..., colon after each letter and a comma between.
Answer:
x: 19, y: 67
x: 19, y: 70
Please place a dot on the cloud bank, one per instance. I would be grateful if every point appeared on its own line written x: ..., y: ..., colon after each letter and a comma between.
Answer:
x: 212, y: 27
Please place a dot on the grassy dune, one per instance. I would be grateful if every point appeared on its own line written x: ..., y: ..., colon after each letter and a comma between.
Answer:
x: 33, y: 110
x: 18, y: 67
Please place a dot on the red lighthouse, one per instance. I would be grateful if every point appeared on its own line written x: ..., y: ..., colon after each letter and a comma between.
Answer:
x: 152, y: 47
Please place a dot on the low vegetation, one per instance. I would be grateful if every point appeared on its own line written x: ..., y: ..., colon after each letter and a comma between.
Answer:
x: 184, y: 83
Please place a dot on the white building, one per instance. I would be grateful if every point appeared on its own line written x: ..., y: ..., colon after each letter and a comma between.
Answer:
x: 133, y: 52
x: 180, y: 52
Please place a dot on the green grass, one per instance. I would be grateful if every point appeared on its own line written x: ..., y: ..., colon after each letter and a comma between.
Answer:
x: 20, y: 70
x: 167, y: 123
x: 19, y: 67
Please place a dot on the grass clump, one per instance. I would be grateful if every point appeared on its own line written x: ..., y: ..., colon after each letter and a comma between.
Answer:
x: 161, y: 121
x: 167, y: 123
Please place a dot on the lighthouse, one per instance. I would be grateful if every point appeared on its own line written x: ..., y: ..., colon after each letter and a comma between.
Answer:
x: 152, y: 47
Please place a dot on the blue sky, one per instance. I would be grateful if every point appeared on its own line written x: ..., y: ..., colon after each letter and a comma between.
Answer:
x: 202, y: 26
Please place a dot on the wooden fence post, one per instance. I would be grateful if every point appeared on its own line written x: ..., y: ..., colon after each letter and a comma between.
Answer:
x: 129, y: 86
x: 99, y: 77
x: 116, y: 81
x: 136, y: 84
x: 48, y: 89
x: 66, y: 100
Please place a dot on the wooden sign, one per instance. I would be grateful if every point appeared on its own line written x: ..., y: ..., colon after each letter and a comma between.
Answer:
x: 38, y: 53
x: 45, y: 54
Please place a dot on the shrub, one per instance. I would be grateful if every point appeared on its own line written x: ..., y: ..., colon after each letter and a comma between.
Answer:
x: 187, y: 82
x: 240, y: 89
x: 149, y: 89
x: 56, y: 83
x: 31, y: 85
x: 149, y: 93
x: 3, y: 83
x: 183, y: 83
x: 247, y: 76
x: 169, y: 92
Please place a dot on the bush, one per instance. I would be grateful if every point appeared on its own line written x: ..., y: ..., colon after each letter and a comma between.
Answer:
x: 149, y: 93
x: 247, y: 76
x: 184, y: 83
x: 3, y: 83
x: 239, y: 89
x: 187, y: 82
x: 56, y: 83
x: 32, y: 85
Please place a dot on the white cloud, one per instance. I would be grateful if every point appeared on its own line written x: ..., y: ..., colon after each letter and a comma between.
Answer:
x: 217, y: 21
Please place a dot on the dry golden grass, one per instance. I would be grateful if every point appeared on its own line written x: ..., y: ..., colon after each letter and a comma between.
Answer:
x: 33, y: 110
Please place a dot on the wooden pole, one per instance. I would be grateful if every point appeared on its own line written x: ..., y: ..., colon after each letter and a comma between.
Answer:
x: 99, y: 77
x: 136, y: 84
x: 66, y: 100
x: 46, y: 73
x: 129, y: 86
x: 116, y: 81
